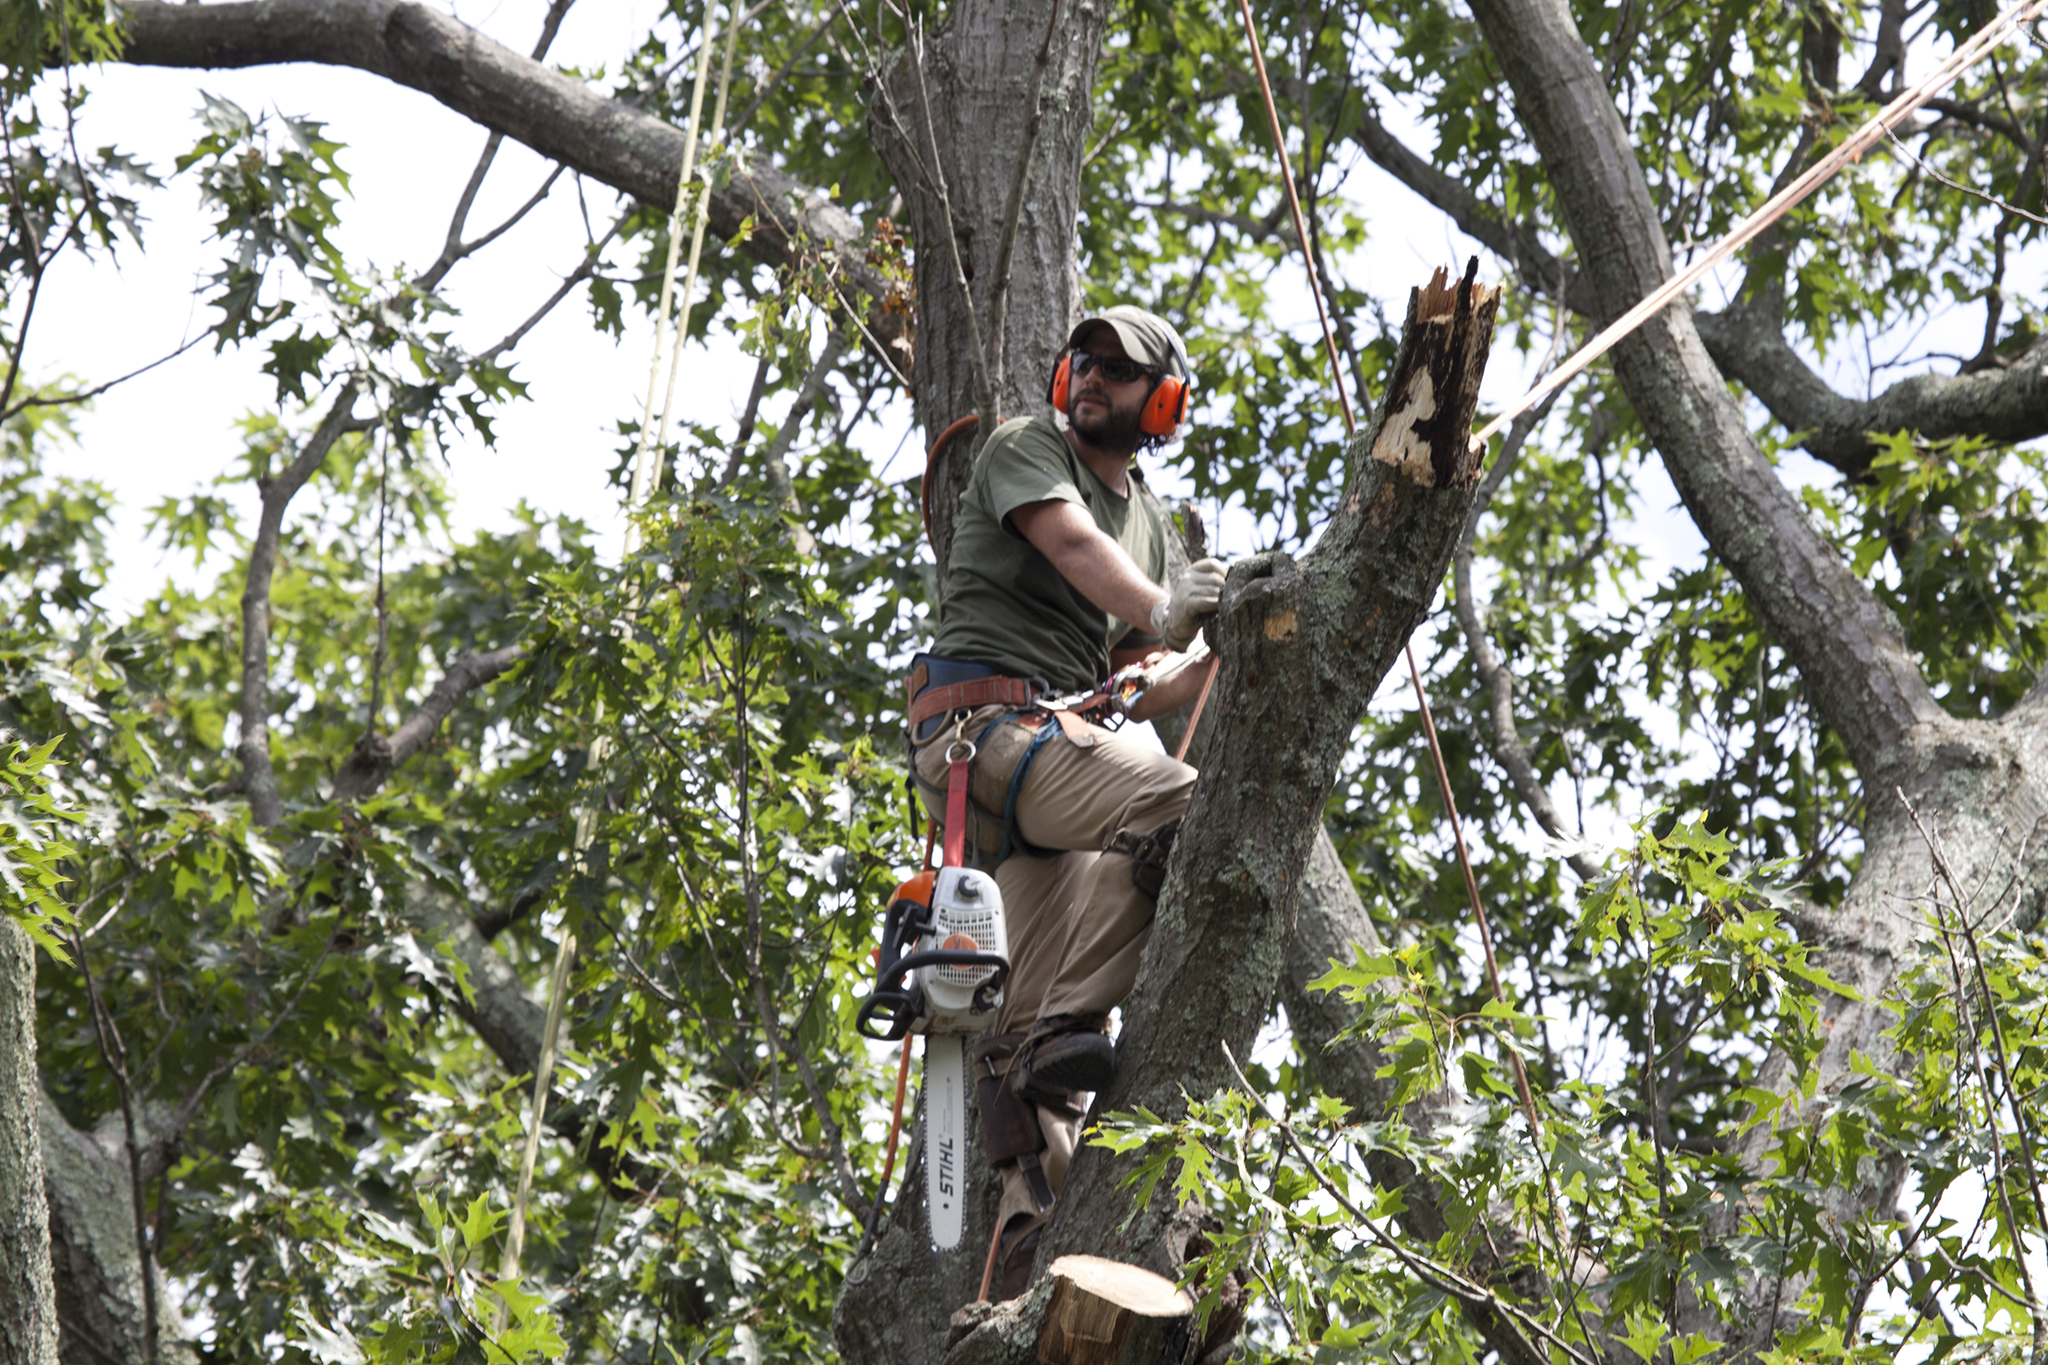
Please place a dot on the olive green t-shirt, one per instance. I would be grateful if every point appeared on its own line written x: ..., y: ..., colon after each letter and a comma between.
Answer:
x: 1003, y: 604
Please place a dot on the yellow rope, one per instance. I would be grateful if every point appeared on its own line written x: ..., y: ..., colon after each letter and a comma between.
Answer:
x: 643, y: 467
x: 646, y: 475
x: 700, y: 216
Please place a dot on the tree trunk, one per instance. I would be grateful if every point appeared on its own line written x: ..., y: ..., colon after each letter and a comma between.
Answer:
x: 92, y: 1241
x: 950, y: 120
x: 28, y: 1303
x: 1107, y: 1313
x: 1985, y: 783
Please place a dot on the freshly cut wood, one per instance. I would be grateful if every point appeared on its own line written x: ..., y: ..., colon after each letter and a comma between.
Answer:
x: 1108, y: 1313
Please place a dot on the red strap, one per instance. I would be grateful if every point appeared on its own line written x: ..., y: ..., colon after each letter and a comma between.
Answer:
x: 956, y: 803
x: 966, y: 696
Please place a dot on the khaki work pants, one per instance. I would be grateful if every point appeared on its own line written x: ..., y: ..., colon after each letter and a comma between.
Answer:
x: 1076, y: 922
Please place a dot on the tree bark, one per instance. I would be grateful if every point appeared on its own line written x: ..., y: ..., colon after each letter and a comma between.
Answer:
x: 98, y: 1273
x: 28, y: 1303
x: 949, y: 119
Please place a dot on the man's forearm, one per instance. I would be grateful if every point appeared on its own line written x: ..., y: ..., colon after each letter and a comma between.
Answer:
x: 1096, y: 565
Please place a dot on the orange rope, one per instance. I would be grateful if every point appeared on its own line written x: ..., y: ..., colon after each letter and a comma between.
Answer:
x: 896, y: 1118
x: 1315, y: 289
x: 988, y: 1269
x: 931, y: 462
x: 1202, y: 699
x: 1443, y: 777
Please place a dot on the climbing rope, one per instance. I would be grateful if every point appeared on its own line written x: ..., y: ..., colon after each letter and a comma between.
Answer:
x: 1528, y: 1099
x: 653, y: 445
x: 646, y: 475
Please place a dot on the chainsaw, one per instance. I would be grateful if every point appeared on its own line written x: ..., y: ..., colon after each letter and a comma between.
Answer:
x: 940, y: 973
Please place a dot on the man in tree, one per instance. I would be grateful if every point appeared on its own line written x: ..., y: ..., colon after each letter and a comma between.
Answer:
x: 1055, y: 579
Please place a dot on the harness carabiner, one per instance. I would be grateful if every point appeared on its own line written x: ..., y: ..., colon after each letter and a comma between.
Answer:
x: 961, y: 741
x: 959, y: 754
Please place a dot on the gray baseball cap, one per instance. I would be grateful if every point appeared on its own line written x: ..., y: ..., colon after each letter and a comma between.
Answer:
x: 1147, y: 337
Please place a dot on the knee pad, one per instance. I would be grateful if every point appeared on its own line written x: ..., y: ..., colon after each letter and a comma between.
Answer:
x: 1009, y: 1125
x: 1148, y: 854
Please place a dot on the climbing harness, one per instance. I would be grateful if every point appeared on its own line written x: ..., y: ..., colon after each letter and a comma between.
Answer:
x: 1008, y: 744
x: 944, y: 952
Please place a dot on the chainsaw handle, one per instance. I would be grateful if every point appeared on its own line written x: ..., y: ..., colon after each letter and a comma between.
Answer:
x: 894, y: 1002
x: 895, y: 1006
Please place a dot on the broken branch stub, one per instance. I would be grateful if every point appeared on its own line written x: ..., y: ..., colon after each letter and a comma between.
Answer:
x: 1303, y: 646
x: 1435, y: 389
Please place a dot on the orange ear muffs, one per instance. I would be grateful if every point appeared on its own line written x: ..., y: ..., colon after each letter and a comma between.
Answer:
x: 1162, y: 414
x: 1164, y: 411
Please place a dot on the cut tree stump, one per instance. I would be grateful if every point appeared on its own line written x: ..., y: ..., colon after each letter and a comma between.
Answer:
x: 1108, y: 1313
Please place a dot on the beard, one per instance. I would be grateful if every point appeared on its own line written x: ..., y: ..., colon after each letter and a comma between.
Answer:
x: 1113, y: 429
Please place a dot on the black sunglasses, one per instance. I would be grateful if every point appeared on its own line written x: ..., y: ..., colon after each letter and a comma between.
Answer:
x: 1115, y: 368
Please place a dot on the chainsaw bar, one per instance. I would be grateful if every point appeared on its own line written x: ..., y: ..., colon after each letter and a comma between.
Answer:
x: 945, y: 1146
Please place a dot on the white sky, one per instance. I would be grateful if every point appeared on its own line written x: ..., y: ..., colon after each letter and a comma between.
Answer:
x: 171, y: 431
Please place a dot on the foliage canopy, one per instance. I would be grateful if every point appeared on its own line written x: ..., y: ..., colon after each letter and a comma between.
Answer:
x: 691, y: 762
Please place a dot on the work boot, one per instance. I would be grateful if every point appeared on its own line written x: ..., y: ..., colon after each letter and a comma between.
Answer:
x: 1019, y: 1253
x: 1066, y: 1053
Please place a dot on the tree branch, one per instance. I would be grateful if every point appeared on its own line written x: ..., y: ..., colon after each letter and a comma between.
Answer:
x: 774, y: 82
x: 1331, y: 926
x: 2005, y: 404
x: 510, y: 1023
x: 561, y: 118
x: 1507, y: 747
x: 747, y: 417
x: 1274, y: 225
x: 266, y: 806
x: 1963, y: 112
x: 774, y: 460
x: 1847, y: 647
x: 1301, y: 647
x: 86, y: 395
x: 375, y: 757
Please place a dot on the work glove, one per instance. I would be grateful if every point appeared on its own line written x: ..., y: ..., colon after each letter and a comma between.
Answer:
x: 1178, y: 619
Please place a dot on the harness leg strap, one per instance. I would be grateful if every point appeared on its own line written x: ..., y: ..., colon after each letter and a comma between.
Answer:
x: 1009, y: 1123
x: 1148, y: 854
